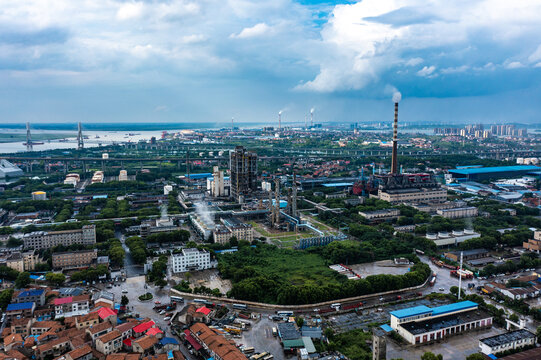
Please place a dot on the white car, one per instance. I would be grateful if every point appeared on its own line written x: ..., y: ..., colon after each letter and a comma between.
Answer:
x: 167, y: 318
x: 162, y: 312
x: 442, y: 289
x: 124, y: 291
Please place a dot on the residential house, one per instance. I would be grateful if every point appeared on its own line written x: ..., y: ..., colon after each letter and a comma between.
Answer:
x: 21, y: 326
x: 86, y: 321
x: 40, y: 327
x: 20, y: 310
x: 109, y: 343
x: 82, y: 353
x: 12, y: 341
x: 32, y: 295
x: 144, y: 345
x: 54, y: 348
x: 216, y: 345
x: 95, y: 331
x: 71, y: 306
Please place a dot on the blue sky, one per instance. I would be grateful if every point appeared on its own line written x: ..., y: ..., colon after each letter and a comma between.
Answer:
x: 210, y: 60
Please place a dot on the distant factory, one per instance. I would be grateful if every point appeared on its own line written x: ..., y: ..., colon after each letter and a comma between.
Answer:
x: 496, y: 172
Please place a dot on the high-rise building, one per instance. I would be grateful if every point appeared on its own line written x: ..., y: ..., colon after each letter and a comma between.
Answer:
x: 217, y: 185
x: 243, y: 166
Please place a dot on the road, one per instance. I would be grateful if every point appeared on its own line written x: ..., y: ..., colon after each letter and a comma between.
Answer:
x: 132, y: 269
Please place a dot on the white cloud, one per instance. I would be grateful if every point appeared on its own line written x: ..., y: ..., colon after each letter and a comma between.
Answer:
x: 536, y: 55
x: 254, y: 31
x: 426, y: 71
x: 414, y: 61
x: 514, y: 65
x: 193, y: 39
x: 455, y: 70
x: 130, y: 11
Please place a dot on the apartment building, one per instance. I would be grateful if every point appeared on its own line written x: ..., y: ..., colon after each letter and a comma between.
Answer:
x: 45, y: 240
x: 74, y: 259
x: 232, y: 227
x: 190, y: 259
x: 20, y: 310
x: 458, y: 213
x: 97, y: 330
x: 535, y: 243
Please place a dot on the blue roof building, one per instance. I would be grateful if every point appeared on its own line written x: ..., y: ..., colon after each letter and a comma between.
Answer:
x: 27, y: 293
x: 34, y: 295
x: 494, y: 172
x: 422, y: 324
x: 24, y: 309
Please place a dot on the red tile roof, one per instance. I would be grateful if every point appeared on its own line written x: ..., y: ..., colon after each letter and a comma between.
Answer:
x: 104, y: 313
x: 141, y: 328
x: 154, y: 331
x: 204, y: 310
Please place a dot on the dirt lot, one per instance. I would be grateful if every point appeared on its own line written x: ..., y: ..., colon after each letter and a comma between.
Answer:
x: 379, y: 267
x: 208, y: 278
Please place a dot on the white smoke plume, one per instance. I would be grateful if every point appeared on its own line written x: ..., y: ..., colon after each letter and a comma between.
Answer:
x: 280, y: 112
x: 397, y: 96
x: 204, y: 213
x: 312, y: 110
x: 163, y: 210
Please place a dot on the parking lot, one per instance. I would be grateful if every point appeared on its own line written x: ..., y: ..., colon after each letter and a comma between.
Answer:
x: 208, y: 278
x: 379, y: 267
x: 260, y: 337
x: 365, y: 318
x: 454, y: 348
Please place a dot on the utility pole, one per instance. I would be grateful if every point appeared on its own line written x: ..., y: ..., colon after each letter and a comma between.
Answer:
x: 460, y: 276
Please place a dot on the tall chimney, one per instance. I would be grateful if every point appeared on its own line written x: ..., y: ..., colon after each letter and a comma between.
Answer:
x: 279, y: 121
x: 394, y: 161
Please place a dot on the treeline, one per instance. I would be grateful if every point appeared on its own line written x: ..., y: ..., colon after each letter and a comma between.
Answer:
x: 256, y: 276
x: 169, y: 237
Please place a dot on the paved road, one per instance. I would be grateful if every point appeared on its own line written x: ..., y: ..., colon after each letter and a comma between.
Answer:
x: 132, y: 269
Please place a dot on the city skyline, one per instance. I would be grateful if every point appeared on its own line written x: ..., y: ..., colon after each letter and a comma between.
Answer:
x: 180, y: 61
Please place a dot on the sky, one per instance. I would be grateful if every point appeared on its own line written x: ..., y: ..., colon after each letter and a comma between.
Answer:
x: 210, y: 60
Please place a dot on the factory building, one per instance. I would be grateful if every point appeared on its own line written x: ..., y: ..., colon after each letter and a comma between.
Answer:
x: 509, y: 341
x: 496, y: 172
x: 218, y: 184
x: 444, y: 238
x: 458, y: 213
x: 44, y: 240
x: 421, y: 324
x: 39, y: 195
x: 380, y: 215
x: 233, y: 227
x: 203, y: 227
x: 8, y: 170
x: 243, y: 166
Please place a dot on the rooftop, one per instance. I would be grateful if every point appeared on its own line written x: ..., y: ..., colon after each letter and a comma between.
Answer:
x: 494, y: 169
x: 434, y: 324
x: 507, y: 338
x: 27, y: 293
x: 413, y: 311
x: 459, y: 306
x: 20, y: 306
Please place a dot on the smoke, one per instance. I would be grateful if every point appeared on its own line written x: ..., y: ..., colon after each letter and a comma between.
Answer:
x: 280, y: 112
x: 397, y: 96
x: 204, y: 213
x: 163, y: 210
x: 312, y: 110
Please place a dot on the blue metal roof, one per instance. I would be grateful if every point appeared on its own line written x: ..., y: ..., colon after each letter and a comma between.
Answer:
x: 26, y: 293
x: 463, y: 305
x: 494, y: 169
x: 413, y: 311
x: 168, y: 340
x: 386, y: 328
x: 20, y: 306
x: 198, y: 176
x: 341, y: 184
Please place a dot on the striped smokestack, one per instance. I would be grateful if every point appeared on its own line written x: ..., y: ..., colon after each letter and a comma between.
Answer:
x: 394, y: 161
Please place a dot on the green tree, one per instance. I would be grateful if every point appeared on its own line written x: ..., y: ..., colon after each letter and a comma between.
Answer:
x: 476, y: 356
x: 124, y: 300
x: 300, y: 321
x: 22, y: 281
x: 453, y: 290
x: 55, y: 278
x: 5, y: 298
x: 431, y: 356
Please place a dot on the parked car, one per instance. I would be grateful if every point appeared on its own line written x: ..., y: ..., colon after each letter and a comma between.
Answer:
x: 124, y: 291
x: 442, y: 289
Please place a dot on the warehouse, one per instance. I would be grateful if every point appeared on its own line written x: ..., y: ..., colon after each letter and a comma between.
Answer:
x: 421, y: 324
x: 508, y: 341
x: 495, y: 172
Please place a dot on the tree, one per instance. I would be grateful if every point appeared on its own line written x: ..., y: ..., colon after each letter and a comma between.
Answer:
x: 22, y: 281
x: 431, y: 356
x: 13, y: 242
x: 300, y: 321
x: 124, y: 300
x: 538, y: 333
x: 161, y: 283
x: 55, y: 278
x: 187, y: 276
x: 476, y: 356
x: 5, y: 298
x: 233, y: 241
x: 453, y: 290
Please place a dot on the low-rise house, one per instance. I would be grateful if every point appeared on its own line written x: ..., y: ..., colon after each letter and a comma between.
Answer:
x: 21, y: 326
x: 107, y: 314
x: 123, y: 356
x: 144, y: 345
x: 216, y: 345
x: 82, y: 353
x: 71, y: 306
x: 109, y: 343
x: 33, y: 295
x: 142, y: 328
x: 40, y: 327
x: 54, y: 347
x: 508, y: 341
x: 126, y: 329
x: 98, y: 330
x: 86, y: 321
x: 521, y: 293
x: 169, y: 344
x: 12, y: 341
x: 20, y: 310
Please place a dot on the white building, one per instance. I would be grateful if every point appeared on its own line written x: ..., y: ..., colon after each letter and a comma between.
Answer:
x: 167, y: 189
x: 217, y: 184
x: 190, y: 260
x: 457, y: 213
x: 444, y: 238
x: 72, y: 179
x: 508, y: 341
x: 123, y: 175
